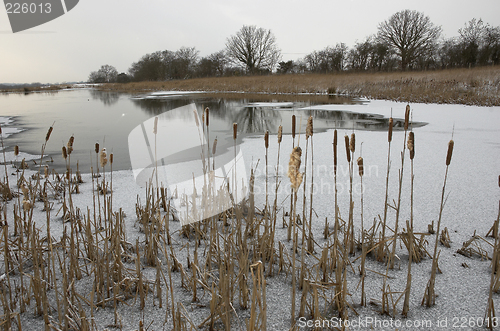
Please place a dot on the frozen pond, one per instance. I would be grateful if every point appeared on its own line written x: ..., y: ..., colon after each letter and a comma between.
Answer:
x: 108, y: 118
x: 472, y: 189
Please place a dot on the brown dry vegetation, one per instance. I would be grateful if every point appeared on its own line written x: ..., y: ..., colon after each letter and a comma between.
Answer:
x: 220, y: 265
x: 477, y: 86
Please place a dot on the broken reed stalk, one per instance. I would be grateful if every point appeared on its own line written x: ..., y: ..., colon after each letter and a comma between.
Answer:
x: 266, y: 144
x: 381, y: 247
x: 304, y: 201
x: 310, y: 239
x: 361, y: 171
x: 155, y: 132
x: 398, y: 207
x: 207, y: 123
x: 490, y: 310
x: 351, y: 149
x: 275, y: 206
x: 7, y: 187
x: 289, y: 232
x: 235, y: 184
x: 429, y: 295
x: 406, y: 303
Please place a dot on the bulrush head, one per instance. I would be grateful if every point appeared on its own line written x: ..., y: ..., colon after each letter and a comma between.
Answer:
x: 207, y: 115
x: 97, y: 148
x: 103, y: 159
x: 450, y: 152
x: 361, y: 167
x: 352, y: 144
x: 293, y: 168
x: 235, y: 131
x: 155, y: 126
x: 111, y: 158
x: 391, y: 124
x: 407, y: 117
x: 411, y: 144
x: 70, y: 144
x: 266, y: 139
x: 214, y: 147
x: 280, y: 134
x: 49, y: 132
x: 16, y: 150
x: 64, y: 152
x: 309, y: 128
x: 293, y: 126
x: 347, y: 151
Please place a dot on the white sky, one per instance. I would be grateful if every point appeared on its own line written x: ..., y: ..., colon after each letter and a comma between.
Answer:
x: 119, y: 32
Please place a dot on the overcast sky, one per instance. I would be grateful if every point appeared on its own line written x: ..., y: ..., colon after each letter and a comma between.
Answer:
x: 119, y: 32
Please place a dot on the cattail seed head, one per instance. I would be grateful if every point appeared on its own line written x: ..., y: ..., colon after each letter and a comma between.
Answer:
x: 450, y: 152
x: 407, y: 117
x: 64, y: 152
x: 207, y: 111
x: 155, y: 126
x: 309, y: 128
x: 111, y: 158
x: 391, y: 124
x: 16, y: 150
x: 97, y: 148
x: 348, y: 152
x: 214, y: 147
x: 103, y: 159
x: 280, y: 134
x: 293, y: 168
x: 46, y: 171
x: 360, y: 167
x: 293, y: 126
x: 411, y: 144
x: 70, y: 145
x: 352, y: 144
x: 266, y: 139
x: 235, y: 131
x: 49, y: 132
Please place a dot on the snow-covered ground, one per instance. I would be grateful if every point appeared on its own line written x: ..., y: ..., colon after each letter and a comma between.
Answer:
x: 472, y: 196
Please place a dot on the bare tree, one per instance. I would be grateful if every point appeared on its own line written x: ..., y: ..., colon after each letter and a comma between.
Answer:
x: 255, y: 48
x: 107, y: 74
x: 411, y: 34
x: 471, y: 36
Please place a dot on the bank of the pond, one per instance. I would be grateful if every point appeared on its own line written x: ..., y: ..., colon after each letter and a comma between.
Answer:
x: 476, y: 86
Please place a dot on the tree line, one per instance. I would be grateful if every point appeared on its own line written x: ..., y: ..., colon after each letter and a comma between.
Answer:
x: 408, y: 40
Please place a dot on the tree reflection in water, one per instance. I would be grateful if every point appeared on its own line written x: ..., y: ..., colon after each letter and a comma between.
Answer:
x: 107, y: 98
x: 257, y: 119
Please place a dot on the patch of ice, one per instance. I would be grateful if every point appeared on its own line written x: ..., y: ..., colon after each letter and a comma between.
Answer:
x: 5, y: 120
x: 7, y: 132
x: 10, y: 157
x: 271, y: 104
